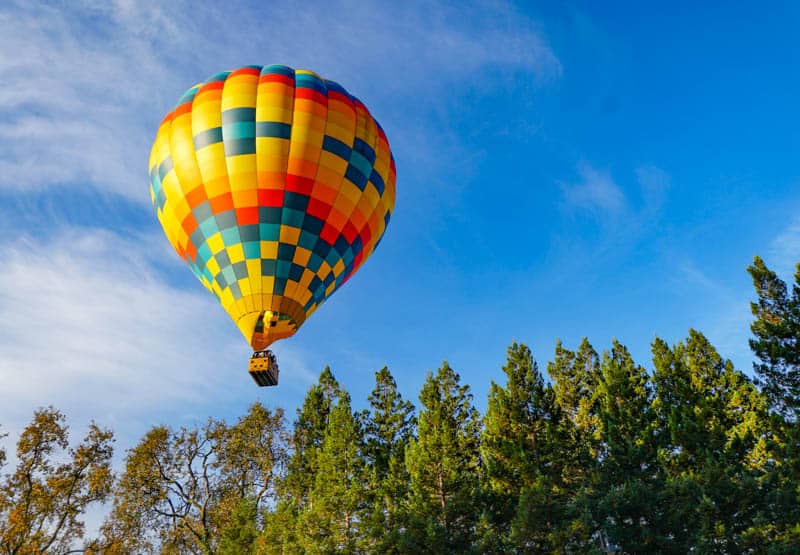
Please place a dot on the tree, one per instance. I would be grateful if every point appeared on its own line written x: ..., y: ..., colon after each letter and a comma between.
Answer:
x: 240, y: 533
x: 575, y: 376
x: 388, y: 427
x: 184, y: 491
x: 521, y: 445
x: 280, y: 530
x: 41, y: 502
x: 776, y: 342
x: 2, y: 452
x: 627, y: 504
x: 309, y: 432
x: 443, y: 464
x: 776, y: 345
x: 711, y: 445
x: 336, y: 505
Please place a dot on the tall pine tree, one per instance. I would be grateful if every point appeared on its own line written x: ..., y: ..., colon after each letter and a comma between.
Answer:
x: 444, y: 463
x: 521, y: 451
x: 575, y: 376
x: 776, y: 342
x: 280, y: 529
x: 388, y: 426
x: 333, y: 516
x: 711, y: 420
x: 626, y: 503
x: 309, y: 431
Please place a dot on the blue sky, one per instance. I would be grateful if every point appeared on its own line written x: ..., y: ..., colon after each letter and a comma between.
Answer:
x: 564, y: 170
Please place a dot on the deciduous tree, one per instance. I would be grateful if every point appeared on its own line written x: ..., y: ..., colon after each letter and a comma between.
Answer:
x: 42, y: 501
x: 182, y: 491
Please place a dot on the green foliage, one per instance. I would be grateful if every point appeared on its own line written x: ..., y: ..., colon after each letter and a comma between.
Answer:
x: 776, y: 342
x: 691, y: 457
x: 388, y: 428
x: 626, y: 500
x: 712, y: 422
x: 575, y: 375
x: 239, y: 534
x: 443, y: 464
x: 309, y: 431
x: 523, y: 439
x: 331, y: 523
x: 776, y: 331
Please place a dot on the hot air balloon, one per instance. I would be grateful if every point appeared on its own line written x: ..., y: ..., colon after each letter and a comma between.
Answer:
x: 274, y: 185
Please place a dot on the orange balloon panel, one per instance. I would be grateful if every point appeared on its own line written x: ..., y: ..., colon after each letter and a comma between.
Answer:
x: 274, y: 185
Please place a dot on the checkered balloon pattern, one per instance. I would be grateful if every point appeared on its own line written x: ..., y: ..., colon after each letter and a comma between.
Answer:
x: 275, y: 185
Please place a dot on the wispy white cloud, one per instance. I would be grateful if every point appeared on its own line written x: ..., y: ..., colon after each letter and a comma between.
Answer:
x: 596, y: 191
x: 724, y: 316
x: 89, y: 326
x: 85, y: 83
x: 654, y: 184
x: 784, y: 250
x: 599, y: 194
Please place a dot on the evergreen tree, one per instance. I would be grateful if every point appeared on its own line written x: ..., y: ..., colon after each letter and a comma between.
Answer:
x: 776, y: 344
x: 280, y: 529
x: 575, y: 376
x: 711, y: 446
x: 389, y: 426
x: 520, y: 446
x: 238, y: 536
x: 309, y: 431
x: 626, y: 506
x: 336, y: 504
x: 443, y: 463
x: 776, y: 341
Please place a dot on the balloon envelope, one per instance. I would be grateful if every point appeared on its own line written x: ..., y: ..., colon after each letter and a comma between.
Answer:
x: 275, y: 185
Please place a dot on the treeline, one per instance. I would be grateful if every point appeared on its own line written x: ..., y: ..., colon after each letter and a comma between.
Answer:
x: 595, y: 454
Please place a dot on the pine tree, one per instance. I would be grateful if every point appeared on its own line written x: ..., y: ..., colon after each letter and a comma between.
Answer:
x: 443, y: 463
x: 239, y: 534
x: 388, y: 426
x: 280, y: 529
x: 520, y: 448
x: 776, y: 344
x: 575, y: 377
x: 627, y: 504
x: 711, y: 420
x: 777, y: 338
x: 309, y: 431
x: 336, y: 504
